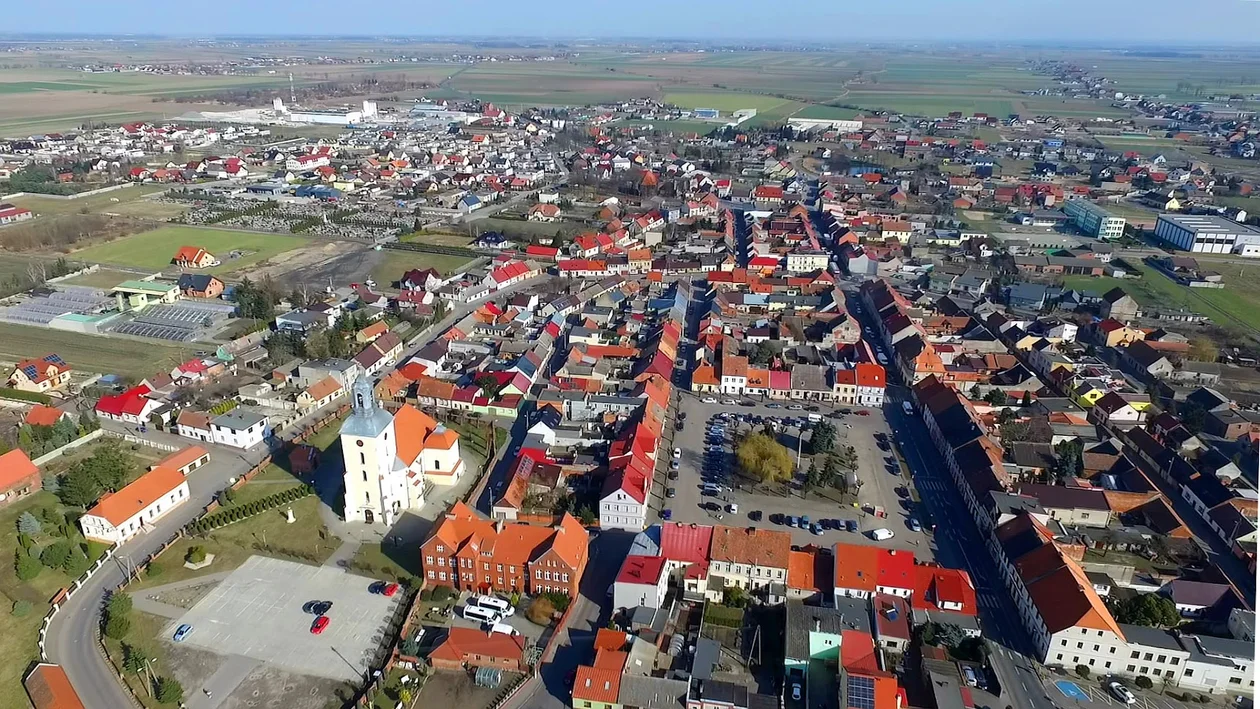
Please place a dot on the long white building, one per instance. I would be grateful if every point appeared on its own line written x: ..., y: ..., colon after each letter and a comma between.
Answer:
x: 1094, y: 219
x: 1207, y: 234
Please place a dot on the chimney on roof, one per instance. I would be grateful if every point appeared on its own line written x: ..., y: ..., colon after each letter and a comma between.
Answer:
x: 817, y: 625
x: 498, y: 525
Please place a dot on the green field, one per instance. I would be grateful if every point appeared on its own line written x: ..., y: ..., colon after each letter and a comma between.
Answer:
x: 155, y: 249
x: 94, y: 353
x: 393, y: 264
x: 1237, y: 306
x: 826, y: 112
x: 19, y: 87
x: 114, y: 201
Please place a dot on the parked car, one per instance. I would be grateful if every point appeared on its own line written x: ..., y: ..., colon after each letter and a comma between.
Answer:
x: 804, y: 524
x: 667, y: 515
x: 670, y: 492
x: 915, y: 526
x: 796, y: 691
x: 389, y: 590
x: 1121, y: 692
x: 320, y: 624
x: 817, y: 528
x: 881, y: 534
x: 755, y: 515
x: 677, y: 452
x: 796, y: 407
x: 709, y: 400
x: 774, y: 406
x: 181, y: 632
x: 851, y: 524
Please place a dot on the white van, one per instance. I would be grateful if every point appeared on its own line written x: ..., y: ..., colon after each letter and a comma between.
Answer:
x: 481, y: 615
x: 881, y: 534
x: 504, y: 628
x: 815, y: 417
x: 493, y: 603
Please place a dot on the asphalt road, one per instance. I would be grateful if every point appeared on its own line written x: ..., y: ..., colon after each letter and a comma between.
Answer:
x: 576, y: 644
x: 71, y: 640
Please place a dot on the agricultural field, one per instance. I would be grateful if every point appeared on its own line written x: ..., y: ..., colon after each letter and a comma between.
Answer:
x: 770, y: 109
x: 101, y: 278
x: 154, y: 249
x: 439, y: 239
x: 93, y: 353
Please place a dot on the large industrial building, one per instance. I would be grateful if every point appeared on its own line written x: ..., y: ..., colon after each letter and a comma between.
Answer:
x: 1207, y: 234
x: 1094, y: 220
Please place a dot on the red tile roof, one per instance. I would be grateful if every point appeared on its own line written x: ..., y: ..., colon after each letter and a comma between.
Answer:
x: 596, y: 685
x: 15, y: 467
x: 41, y: 415
x: 686, y: 543
x: 118, y: 507
x: 641, y: 569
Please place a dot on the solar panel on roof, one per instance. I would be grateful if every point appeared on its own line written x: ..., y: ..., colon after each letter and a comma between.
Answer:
x: 53, y: 359
x: 861, y: 692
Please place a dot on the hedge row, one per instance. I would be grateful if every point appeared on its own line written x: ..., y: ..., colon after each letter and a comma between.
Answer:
x: 19, y: 395
x: 229, y: 515
x: 432, y: 249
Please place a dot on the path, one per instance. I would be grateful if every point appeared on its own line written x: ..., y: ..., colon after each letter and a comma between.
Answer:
x: 223, y: 682
x: 341, y: 558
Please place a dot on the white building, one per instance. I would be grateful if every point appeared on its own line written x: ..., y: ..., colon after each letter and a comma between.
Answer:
x: 240, y: 428
x: 121, y: 515
x: 390, y: 460
x: 1093, y: 219
x: 807, y: 261
x: 1205, y: 234
x: 642, y: 581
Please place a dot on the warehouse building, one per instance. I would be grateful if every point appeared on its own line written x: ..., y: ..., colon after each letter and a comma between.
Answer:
x: 1094, y: 220
x: 1207, y: 234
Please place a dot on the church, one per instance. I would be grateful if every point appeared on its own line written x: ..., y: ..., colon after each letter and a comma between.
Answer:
x: 391, y: 459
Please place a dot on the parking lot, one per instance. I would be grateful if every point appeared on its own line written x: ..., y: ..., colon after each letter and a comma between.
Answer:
x: 257, y: 612
x: 1090, y: 694
x: 697, y: 465
x: 517, y: 620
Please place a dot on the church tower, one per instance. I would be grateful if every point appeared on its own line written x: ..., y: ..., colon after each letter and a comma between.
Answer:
x: 369, y: 449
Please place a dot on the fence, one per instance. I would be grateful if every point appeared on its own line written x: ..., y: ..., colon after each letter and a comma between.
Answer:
x: 64, y: 595
x: 77, y: 195
x: 54, y: 454
x: 141, y: 441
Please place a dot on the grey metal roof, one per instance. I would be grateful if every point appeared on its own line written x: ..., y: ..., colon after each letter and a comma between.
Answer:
x: 1150, y: 637
x: 651, y: 692
x: 238, y: 419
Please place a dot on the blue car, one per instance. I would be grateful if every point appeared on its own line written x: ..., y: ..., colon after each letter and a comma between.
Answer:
x: 852, y: 525
x: 804, y: 522
x: 182, y: 632
x: 667, y: 514
x: 817, y: 529
x: 791, y: 521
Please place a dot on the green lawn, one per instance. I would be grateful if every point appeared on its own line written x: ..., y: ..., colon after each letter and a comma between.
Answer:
x: 155, y: 249
x: 19, y: 635
x: 103, y: 278
x: 393, y: 264
x: 233, y: 544
x: 1235, y: 306
x: 826, y: 112
x: 104, y: 202
x: 19, y: 87
x: 95, y: 353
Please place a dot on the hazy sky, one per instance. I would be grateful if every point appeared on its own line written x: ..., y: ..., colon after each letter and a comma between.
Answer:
x: 1127, y: 21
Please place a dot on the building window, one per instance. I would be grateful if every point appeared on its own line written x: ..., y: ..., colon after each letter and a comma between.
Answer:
x: 1130, y: 668
x: 428, y: 560
x: 1149, y: 655
x: 1189, y: 672
x: 440, y: 549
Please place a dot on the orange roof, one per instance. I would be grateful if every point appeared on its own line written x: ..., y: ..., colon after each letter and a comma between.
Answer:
x: 411, y: 427
x: 704, y: 375
x: 1066, y: 599
x: 441, y: 439
x: 516, y: 543
x: 50, y: 688
x: 614, y: 660
x: 763, y: 547
x: 596, y: 685
x: 322, y: 388
x: 735, y: 366
x: 758, y: 378
x: 14, y: 468
x: 118, y: 507
x: 376, y: 329
x: 182, y: 457
x: 857, y: 566
x: 462, y: 642
x: 609, y: 639
x: 42, y: 415
x: 801, y: 570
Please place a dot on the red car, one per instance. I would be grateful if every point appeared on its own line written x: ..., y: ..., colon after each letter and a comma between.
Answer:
x: 318, y: 626
x: 389, y: 590
x: 863, y: 412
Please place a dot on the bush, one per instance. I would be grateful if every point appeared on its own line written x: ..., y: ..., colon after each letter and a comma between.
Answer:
x: 21, y: 609
x: 195, y: 555
x: 426, y: 594
x: 441, y: 594
x: 56, y: 554
x: 559, y: 600
x: 26, y: 566
x: 1144, y: 682
x: 117, y: 626
x: 76, y: 564
x: 119, y: 604
x: 1082, y: 671
x: 169, y: 691
x: 541, y: 611
x: 155, y: 569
